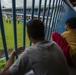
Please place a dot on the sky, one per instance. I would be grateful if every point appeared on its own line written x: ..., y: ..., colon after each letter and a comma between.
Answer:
x: 19, y: 3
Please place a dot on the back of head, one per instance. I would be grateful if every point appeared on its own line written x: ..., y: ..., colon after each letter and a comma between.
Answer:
x: 35, y: 29
x: 71, y: 22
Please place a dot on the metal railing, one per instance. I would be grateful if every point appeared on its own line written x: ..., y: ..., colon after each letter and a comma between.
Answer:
x: 55, y: 13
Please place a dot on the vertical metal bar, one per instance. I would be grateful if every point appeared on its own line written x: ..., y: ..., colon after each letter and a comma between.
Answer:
x: 50, y: 18
x: 52, y: 21
x: 44, y: 10
x: 24, y: 25
x: 32, y: 15
x: 55, y: 10
x: 48, y: 15
x: 59, y: 9
x: 0, y: 24
x: 3, y: 33
x: 56, y: 16
x: 14, y: 27
x: 0, y: 27
x: 33, y: 4
x: 63, y: 4
x: 39, y: 8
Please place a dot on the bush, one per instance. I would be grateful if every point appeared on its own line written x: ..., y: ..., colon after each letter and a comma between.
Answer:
x: 2, y: 64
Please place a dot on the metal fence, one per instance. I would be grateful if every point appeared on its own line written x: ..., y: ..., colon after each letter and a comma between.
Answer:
x: 54, y: 15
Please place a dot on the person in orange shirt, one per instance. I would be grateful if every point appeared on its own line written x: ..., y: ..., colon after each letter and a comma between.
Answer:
x: 67, y: 40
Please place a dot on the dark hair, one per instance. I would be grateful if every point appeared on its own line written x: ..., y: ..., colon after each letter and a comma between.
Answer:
x: 71, y: 22
x: 35, y: 29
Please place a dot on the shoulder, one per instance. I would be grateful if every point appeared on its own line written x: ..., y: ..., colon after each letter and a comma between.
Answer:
x: 30, y: 50
x: 65, y: 33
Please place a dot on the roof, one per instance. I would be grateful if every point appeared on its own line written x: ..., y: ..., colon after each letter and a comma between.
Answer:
x: 73, y: 2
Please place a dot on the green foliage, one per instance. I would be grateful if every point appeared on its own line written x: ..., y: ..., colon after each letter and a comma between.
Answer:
x: 2, y: 64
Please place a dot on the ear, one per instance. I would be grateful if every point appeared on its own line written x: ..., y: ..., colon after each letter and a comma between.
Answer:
x: 29, y: 37
x: 66, y: 27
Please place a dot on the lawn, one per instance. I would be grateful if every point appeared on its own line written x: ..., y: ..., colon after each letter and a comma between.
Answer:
x: 8, y: 27
x: 9, y: 35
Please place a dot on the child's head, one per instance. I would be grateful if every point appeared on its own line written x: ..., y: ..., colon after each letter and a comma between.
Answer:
x: 71, y: 23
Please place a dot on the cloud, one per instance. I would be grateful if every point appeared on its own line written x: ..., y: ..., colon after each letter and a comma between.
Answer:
x: 19, y: 3
x: 6, y: 3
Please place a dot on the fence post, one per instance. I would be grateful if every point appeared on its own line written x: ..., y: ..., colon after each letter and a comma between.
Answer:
x: 32, y: 14
x: 39, y: 8
x: 24, y: 26
x: 3, y: 33
x: 44, y: 10
x: 47, y: 17
x: 14, y: 27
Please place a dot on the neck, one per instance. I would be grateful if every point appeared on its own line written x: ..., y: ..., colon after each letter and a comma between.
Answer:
x: 38, y: 40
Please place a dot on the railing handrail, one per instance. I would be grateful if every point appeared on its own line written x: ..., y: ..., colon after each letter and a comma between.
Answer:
x: 69, y: 4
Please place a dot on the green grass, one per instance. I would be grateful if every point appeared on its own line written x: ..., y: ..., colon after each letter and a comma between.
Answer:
x: 9, y: 34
